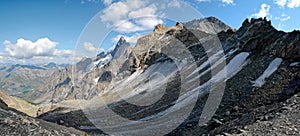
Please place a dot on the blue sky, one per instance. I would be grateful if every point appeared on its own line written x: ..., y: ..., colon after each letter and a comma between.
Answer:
x: 42, y: 31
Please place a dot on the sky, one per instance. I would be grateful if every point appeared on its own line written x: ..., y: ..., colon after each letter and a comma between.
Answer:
x: 64, y: 31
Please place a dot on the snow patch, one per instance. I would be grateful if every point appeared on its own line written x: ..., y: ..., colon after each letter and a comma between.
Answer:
x: 96, y: 79
x: 273, y: 66
x: 236, y: 64
x: 294, y: 64
x: 233, y: 67
x: 102, y: 62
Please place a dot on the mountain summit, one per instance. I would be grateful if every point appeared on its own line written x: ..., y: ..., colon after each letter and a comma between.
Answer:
x: 208, y: 25
x: 120, y: 48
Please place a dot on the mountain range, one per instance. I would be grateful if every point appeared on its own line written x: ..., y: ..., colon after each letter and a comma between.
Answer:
x: 253, y: 73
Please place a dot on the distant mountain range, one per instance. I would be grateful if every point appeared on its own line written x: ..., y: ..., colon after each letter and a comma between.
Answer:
x: 18, y: 79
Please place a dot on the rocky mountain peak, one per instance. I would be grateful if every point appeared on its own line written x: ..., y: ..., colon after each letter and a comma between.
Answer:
x: 255, y: 27
x: 210, y: 25
x: 160, y: 28
x: 213, y: 19
x: 179, y: 25
x: 121, y: 43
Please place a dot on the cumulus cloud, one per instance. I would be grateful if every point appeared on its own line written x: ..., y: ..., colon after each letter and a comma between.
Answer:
x: 28, y: 49
x: 40, y: 51
x: 89, y: 47
x: 263, y: 12
x: 131, y: 39
x: 227, y: 1
x: 174, y: 4
x: 143, y: 12
x: 126, y: 16
x: 293, y: 3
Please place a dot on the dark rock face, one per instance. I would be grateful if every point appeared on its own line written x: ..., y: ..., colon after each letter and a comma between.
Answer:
x: 3, y: 105
x: 105, y: 77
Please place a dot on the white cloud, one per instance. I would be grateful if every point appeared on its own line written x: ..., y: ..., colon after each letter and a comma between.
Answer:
x: 263, y: 12
x: 174, y: 4
x: 89, y: 47
x: 227, y: 1
x: 293, y: 3
x: 125, y: 16
x: 107, y: 2
x: 143, y: 12
x: 131, y: 39
x: 125, y: 26
x: 288, y: 3
x: 28, y: 49
x: 60, y: 57
x: 37, y: 52
x: 149, y: 23
x: 141, y: 24
x: 280, y: 3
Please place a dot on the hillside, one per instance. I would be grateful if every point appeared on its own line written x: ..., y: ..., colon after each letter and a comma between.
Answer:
x: 13, y: 122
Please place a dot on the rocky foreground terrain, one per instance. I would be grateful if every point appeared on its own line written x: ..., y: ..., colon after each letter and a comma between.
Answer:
x: 13, y: 122
x: 261, y: 86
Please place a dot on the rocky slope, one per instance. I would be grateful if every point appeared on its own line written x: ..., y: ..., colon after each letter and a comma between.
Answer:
x: 18, y: 104
x: 262, y: 83
x: 13, y: 122
x: 251, y: 109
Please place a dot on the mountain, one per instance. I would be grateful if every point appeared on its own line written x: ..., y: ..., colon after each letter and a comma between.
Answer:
x: 80, y: 81
x: 208, y: 25
x: 53, y: 65
x: 171, y: 73
x: 17, y: 80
